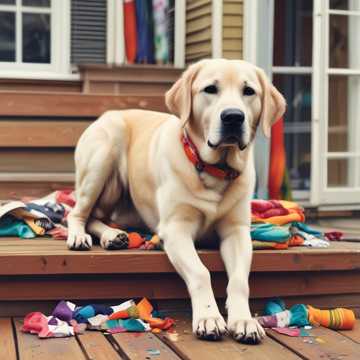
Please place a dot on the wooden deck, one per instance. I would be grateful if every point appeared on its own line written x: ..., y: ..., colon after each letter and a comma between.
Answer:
x: 175, y: 345
x: 45, y: 270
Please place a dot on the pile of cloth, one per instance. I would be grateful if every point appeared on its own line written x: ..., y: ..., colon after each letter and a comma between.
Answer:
x: 67, y: 319
x: 276, y: 224
x: 47, y: 216
x: 300, y: 317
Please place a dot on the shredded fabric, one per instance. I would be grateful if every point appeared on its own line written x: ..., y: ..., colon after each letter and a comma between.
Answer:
x: 300, y: 315
x: 68, y: 319
x: 279, y: 224
x: 276, y: 224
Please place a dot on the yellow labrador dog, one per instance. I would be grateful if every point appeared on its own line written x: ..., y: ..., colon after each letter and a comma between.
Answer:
x: 185, y: 174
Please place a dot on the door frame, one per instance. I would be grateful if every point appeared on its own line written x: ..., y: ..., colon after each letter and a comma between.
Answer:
x: 258, y: 48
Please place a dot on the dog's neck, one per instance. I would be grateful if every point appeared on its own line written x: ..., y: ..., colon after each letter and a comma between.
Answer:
x: 227, y: 157
x: 220, y: 170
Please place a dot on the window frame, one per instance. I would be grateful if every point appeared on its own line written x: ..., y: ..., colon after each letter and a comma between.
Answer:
x: 258, y: 43
x: 59, y: 67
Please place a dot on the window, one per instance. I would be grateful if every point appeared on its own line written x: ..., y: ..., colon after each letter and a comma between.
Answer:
x: 34, y: 37
x: 292, y: 69
x: 310, y: 48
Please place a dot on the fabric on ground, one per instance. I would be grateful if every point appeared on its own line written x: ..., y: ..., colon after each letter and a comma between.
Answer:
x: 276, y: 224
x: 11, y: 226
x: 337, y: 319
x: 300, y: 315
x: 67, y: 319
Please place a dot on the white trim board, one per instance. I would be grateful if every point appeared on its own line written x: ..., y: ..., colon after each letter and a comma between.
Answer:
x: 216, y: 29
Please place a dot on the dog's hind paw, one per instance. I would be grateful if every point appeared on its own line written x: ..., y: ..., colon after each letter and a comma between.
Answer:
x: 114, y: 239
x: 79, y: 241
x: 212, y: 328
x: 247, y: 331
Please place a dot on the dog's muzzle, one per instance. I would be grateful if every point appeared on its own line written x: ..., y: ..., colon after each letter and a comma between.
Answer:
x: 232, y: 121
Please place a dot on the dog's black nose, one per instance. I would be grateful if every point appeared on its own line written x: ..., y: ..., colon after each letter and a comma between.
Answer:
x: 232, y: 116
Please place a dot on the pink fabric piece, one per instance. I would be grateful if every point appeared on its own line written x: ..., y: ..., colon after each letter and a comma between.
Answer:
x: 334, y: 235
x: 267, y: 208
x: 66, y: 197
x: 35, y: 323
x: 78, y: 328
x: 288, y: 331
x: 116, y: 330
x: 59, y: 232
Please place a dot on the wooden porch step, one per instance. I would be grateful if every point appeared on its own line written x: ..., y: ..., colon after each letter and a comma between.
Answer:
x: 44, y: 269
x: 180, y: 344
x: 45, y: 256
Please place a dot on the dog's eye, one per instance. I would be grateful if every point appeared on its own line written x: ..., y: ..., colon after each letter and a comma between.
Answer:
x: 248, y: 91
x: 211, y: 89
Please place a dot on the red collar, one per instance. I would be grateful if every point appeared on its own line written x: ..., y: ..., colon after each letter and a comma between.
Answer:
x: 223, y: 172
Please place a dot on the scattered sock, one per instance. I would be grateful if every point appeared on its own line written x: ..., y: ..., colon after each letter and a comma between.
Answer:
x: 131, y: 312
x: 57, y: 328
x: 274, y: 306
x: 278, y: 320
x: 64, y: 310
x: 123, y: 306
x: 34, y: 323
x: 96, y: 321
x: 337, y: 319
x: 78, y: 328
x: 82, y: 314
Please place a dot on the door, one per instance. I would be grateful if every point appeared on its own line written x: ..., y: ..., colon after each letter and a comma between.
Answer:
x: 335, y: 166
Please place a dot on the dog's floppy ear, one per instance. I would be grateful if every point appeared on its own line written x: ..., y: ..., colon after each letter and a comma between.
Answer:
x: 273, y: 103
x: 179, y: 98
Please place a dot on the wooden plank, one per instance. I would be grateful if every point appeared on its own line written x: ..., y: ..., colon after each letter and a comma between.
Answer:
x: 36, y: 160
x: 74, y: 105
x: 96, y: 347
x: 169, y: 285
x: 16, y: 190
x: 41, y: 133
x: 32, y: 348
x: 146, y: 74
x: 7, y: 341
x: 152, y: 286
x: 48, y: 256
x: 354, y: 334
x: 139, y: 346
x: 188, y: 346
x: 324, y: 344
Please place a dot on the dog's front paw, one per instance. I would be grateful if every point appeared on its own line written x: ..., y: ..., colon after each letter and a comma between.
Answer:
x: 114, y: 239
x: 210, y: 328
x: 80, y: 241
x: 247, y: 331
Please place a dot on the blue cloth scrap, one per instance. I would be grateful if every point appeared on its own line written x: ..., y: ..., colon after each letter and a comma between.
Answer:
x: 11, y: 226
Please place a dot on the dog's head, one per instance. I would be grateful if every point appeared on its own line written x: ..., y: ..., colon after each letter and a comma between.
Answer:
x: 223, y: 101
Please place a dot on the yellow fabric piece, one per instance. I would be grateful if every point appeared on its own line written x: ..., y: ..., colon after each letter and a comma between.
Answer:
x: 29, y: 220
x: 38, y: 230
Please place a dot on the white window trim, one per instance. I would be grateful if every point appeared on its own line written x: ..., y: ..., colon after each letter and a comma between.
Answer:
x: 60, y: 68
x: 322, y: 194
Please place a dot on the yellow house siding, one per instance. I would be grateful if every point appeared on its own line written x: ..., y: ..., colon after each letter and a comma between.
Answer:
x: 233, y: 29
x: 198, y: 30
